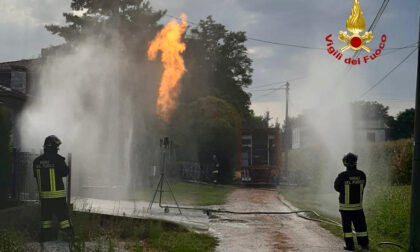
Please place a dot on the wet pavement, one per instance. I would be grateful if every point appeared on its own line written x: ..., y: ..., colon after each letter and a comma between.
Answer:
x: 235, y: 232
x: 197, y: 220
x: 267, y: 232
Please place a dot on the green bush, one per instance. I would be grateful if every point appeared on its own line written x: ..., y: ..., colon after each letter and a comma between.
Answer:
x: 388, y: 162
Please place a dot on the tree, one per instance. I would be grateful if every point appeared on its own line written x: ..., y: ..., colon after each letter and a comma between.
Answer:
x: 134, y: 20
x: 368, y: 110
x: 212, y: 101
x: 218, y: 65
x: 213, y: 127
x: 261, y: 122
x: 404, y: 124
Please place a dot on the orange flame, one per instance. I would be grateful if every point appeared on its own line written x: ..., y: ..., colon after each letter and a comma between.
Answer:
x: 168, y: 40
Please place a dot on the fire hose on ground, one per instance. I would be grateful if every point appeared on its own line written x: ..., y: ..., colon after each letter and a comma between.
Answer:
x: 299, y: 213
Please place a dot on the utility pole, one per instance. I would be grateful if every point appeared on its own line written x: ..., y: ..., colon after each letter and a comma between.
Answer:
x: 286, y: 133
x: 415, y: 177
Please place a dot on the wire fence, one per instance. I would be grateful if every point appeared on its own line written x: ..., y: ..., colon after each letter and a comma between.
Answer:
x: 23, y: 186
x: 23, y: 183
x: 196, y: 172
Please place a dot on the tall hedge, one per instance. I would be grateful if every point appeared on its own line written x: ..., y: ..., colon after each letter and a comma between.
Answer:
x: 389, y: 161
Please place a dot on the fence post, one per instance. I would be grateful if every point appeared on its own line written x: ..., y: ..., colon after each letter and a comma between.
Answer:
x: 69, y: 180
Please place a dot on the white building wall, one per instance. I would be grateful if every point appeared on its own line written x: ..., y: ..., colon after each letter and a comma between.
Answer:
x: 362, y: 135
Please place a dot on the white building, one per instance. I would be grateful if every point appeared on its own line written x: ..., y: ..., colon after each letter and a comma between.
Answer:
x: 370, y: 131
x: 366, y: 131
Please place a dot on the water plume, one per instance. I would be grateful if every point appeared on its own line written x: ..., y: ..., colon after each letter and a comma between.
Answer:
x: 97, y: 101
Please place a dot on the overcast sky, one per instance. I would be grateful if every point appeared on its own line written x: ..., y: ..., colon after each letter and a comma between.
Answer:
x: 300, y: 22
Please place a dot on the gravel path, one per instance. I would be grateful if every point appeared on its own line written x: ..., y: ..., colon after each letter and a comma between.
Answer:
x: 267, y: 232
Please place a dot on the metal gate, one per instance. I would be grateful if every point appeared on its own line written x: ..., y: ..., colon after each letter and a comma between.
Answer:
x: 23, y: 186
x: 195, y: 171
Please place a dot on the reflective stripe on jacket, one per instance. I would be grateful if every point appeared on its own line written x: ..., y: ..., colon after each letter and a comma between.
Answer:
x: 350, y: 184
x: 49, y: 169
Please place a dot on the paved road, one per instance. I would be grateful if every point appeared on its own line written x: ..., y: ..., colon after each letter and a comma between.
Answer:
x: 267, y: 232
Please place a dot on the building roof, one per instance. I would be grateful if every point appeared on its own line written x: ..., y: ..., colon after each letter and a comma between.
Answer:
x: 25, y: 63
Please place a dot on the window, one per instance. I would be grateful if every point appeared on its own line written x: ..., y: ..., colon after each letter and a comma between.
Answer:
x: 18, y: 81
x: 245, y: 157
x: 5, y: 77
x: 246, y: 141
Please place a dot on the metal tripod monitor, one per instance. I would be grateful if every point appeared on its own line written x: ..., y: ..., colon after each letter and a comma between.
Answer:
x: 165, y: 147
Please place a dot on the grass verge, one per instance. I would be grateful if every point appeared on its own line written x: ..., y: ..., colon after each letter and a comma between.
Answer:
x: 386, y: 209
x: 97, y: 232
x: 189, y: 194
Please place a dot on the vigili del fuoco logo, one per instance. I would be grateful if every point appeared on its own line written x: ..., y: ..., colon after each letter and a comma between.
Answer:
x: 355, y: 40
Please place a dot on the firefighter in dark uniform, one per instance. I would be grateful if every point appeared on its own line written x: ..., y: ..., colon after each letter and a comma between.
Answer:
x: 350, y: 184
x: 49, y: 169
x: 215, y: 171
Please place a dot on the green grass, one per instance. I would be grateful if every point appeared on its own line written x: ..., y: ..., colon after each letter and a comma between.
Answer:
x: 386, y: 209
x: 21, y: 225
x: 140, y: 234
x: 10, y: 241
x: 189, y: 194
x: 388, y: 214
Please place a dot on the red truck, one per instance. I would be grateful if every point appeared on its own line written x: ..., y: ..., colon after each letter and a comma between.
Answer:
x: 259, y: 157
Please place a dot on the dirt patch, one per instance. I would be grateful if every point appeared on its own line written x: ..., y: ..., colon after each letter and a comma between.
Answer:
x: 282, y: 241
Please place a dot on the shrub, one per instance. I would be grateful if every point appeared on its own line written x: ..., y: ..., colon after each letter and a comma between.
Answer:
x: 9, y: 242
x: 388, y: 162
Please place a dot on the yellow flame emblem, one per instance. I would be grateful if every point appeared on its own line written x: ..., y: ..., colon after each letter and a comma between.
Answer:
x: 355, y: 24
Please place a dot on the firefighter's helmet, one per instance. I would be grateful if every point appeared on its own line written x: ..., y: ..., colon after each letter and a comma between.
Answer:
x: 52, y: 142
x: 350, y: 160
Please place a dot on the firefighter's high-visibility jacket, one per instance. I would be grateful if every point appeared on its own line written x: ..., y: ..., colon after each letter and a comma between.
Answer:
x: 350, y: 184
x: 49, y: 169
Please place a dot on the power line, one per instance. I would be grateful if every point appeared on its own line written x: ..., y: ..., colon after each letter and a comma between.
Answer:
x: 386, y: 75
x: 403, y: 47
x: 373, y: 25
x: 266, y: 94
x: 269, y: 89
x: 257, y: 87
x: 189, y: 22
x: 395, y: 50
x: 285, y: 44
x: 274, y: 83
x: 262, y: 40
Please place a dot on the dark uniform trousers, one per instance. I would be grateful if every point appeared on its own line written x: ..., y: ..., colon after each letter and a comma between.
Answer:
x: 351, y: 184
x: 357, y: 217
x: 57, y: 207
